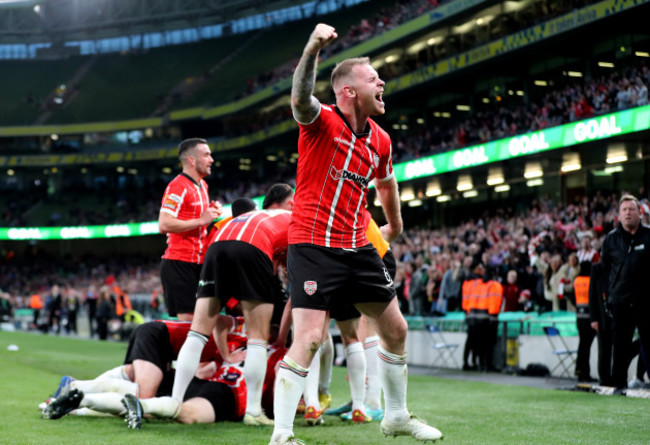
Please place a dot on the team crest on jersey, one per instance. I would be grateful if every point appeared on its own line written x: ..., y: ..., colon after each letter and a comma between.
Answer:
x: 375, y: 160
x: 310, y: 287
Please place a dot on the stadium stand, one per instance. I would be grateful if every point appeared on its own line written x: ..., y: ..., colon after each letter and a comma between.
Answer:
x: 511, y: 66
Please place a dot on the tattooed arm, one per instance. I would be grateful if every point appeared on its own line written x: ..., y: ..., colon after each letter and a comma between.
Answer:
x: 304, y: 105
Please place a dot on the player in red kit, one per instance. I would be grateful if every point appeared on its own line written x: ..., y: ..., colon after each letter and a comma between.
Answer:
x: 185, y: 213
x: 340, y: 152
x: 241, y: 263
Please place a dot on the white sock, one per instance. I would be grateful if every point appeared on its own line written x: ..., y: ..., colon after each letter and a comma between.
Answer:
x: 118, y: 372
x: 373, y: 383
x: 326, y: 360
x: 187, y: 363
x: 107, y: 402
x: 356, y: 360
x: 289, y: 385
x: 165, y: 407
x: 311, y: 383
x: 254, y: 373
x: 106, y: 385
x: 89, y: 412
x: 393, y: 373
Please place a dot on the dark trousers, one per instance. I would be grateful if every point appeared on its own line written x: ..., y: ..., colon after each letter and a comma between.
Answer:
x: 54, y: 316
x: 92, y: 309
x: 493, y: 336
x: 483, y: 342
x: 625, y: 318
x: 471, y: 346
x: 72, y: 322
x: 604, y: 338
x: 102, y: 328
x: 586, y: 335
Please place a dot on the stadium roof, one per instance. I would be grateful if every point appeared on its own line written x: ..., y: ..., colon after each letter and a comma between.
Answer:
x: 25, y: 21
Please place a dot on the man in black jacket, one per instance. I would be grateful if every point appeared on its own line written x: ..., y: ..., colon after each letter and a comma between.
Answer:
x: 626, y: 260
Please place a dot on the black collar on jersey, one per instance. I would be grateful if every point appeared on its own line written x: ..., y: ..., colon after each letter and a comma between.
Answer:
x: 198, y: 184
x: 366, y: 128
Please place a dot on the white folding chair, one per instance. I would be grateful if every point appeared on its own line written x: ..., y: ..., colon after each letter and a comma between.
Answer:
x: 443, y: 351
x: 566, y: 357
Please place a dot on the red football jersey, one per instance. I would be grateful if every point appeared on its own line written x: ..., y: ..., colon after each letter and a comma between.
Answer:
x: 335, y: 168
x: 178, y: 333
x: 264, y: 229
x: 185, y: 199
x: 232, y: 374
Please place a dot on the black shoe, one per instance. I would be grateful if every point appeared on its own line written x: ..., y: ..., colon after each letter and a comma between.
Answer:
x: 63, y: 405
x: 619, y: 392
x: 133, y: 416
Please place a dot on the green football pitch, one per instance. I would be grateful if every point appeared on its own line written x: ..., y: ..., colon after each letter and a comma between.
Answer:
x: 466, y: 412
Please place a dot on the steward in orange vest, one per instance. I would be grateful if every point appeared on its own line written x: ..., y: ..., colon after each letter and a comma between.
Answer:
x: 122, y: 302
x: 36, y: 304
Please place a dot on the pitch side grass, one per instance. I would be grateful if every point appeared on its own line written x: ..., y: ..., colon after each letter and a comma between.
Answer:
x: 466, y: 412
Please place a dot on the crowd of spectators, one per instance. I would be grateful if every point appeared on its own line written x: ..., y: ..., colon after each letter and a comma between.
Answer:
x: 506, y: 116
x: 534, y: 253
x: 137, y: 200
x: 390, y: 17
x: 578, y: 100
x: 61, y: 289
x: 77, y: 203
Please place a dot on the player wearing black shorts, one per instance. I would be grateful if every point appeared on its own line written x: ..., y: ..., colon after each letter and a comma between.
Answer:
x: 241, y: 264
x: 341, y: 151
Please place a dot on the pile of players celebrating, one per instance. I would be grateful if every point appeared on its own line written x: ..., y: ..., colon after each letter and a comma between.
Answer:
x: 223, y: 360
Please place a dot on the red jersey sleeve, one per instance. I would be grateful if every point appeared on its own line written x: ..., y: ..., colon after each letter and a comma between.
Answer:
x: 173, y: 198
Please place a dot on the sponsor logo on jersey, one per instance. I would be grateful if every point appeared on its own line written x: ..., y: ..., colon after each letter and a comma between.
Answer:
x: 344, y: 142
x: 171, y: 201
x: 310, y: 287
x: 169, y: 204
x: 347, y: 175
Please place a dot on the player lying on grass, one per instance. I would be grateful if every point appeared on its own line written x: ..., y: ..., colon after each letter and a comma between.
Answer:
x: 222, y: 397
x: 146, y: 371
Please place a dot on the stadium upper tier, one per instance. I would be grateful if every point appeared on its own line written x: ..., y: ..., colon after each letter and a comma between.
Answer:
x: 112, y: 87
x: 215, y: 78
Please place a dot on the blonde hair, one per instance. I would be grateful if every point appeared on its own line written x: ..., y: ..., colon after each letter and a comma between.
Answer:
x: 629, y: 198
x: 343, y: 69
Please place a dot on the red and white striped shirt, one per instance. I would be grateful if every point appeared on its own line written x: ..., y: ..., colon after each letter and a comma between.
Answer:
x: 232, y: 374
x: 335, y: 168
x: 264, y: 229
x: 591, y: 255
x: 186, y: 199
